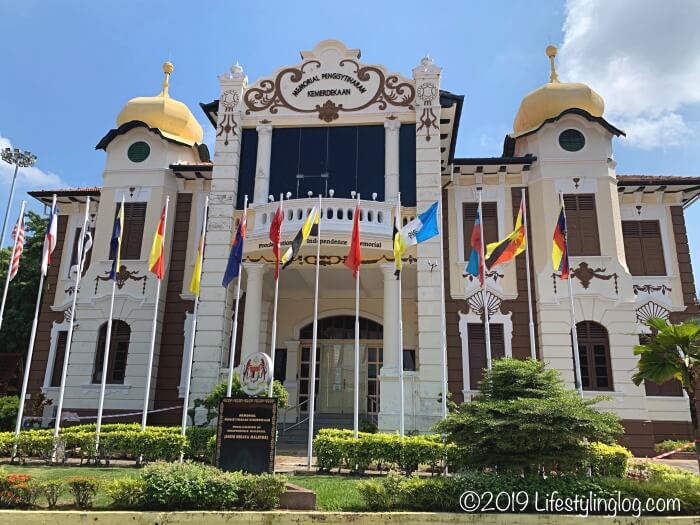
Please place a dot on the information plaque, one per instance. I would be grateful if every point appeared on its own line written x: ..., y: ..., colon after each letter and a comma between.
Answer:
x: 246, y: 434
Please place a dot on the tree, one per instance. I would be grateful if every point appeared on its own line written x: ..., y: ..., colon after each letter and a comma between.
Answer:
x: 673, y: 352
x: 525, y: 418
x: 21, y: 295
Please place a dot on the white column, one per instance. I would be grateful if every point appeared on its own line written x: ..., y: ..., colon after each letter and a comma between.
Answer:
x: 215, y: 303
x: 430, y: 286
x: 253, y: 308
x: 391, y: 158
x: 389, y: 373
x: 262, y: 164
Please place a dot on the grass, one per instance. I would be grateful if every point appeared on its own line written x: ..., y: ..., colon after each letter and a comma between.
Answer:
x: 333, y: 492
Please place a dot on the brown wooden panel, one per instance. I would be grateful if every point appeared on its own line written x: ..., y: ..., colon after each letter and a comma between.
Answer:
x: 685, y: 267
x: 172, y: 338
x: 46, y: 315
x: 582, y: 224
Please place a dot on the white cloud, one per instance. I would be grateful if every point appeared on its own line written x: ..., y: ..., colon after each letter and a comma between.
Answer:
x: 27, y: 178
x: 642, y: 57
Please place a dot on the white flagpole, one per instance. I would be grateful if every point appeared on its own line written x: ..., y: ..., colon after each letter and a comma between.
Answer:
x: 574, y: 335
x: 71, y: 324
x: 108, y: 340
x: 356, y: 404
x: 234, y: 330
x: 312, y: 381
x: 443, y: 322
x: 30, y: 350
x: 533, y: 350
x: 151, y: 351
x: 273, y: 338
x: 9, y: 267
x: 195, y: 311
x: 487, y: 329
x: 400, y: 340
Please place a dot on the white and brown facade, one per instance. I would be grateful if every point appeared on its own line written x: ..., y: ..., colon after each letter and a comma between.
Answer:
x: 335, y: 126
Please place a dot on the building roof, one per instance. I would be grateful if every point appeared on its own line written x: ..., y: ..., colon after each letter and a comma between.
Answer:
x: 688, y: 187
x: 67, y: 196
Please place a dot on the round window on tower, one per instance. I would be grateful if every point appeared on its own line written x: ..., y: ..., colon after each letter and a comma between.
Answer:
x: 572, y: 140
x: 138, y: 152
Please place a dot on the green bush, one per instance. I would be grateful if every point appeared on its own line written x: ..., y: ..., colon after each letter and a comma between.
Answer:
x: 525, y: 418
x: 84, y: 489
x: 608, y: 460
x: 670, y: 445
x: 442, y: 494
x: 337, y: 448
x: 367, y: 426
x: 126, y: 492
x: 35, y: 444
x: 198, y: 439
x: 52, y: 490
x: 261, y: 492
x: 9, y: 406
x: 186, y: 486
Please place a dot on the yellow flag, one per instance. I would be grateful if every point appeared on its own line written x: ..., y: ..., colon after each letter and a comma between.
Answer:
x: 197, y: 273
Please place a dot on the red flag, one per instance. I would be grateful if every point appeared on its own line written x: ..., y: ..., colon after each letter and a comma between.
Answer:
x: 354, y: 258
x: 276, y: 238
x: 18, y: 235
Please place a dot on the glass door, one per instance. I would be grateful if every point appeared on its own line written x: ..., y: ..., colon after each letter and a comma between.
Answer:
x: 337, y: 377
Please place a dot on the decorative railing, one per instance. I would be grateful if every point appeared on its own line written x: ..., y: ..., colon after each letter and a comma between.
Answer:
x: 376, y: 218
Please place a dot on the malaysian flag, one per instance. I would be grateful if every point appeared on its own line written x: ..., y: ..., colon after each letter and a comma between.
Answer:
x: 18, y: 236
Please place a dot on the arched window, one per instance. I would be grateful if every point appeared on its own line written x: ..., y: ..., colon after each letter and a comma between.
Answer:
x: 118, y: 352
x: 594, y: 353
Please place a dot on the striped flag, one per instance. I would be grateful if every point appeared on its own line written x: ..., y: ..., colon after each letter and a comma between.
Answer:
x: 49, y: 241
x: 560, y: 248
x: 310, y: 227
x: 116, y: 242
x: 235, y: 256
x: 475, y: 265
x: 156, y: 260
x: 18, y: 236
x: 510, y: 247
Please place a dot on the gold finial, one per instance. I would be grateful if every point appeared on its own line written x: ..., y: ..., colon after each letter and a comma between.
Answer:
x: 552, y: 53
x: 167, y: 69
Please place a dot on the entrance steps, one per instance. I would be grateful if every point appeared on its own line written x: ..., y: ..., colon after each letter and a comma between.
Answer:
x: 300, y: 433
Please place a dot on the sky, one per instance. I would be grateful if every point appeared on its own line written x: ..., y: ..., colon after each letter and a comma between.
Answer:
x: 70, y: 66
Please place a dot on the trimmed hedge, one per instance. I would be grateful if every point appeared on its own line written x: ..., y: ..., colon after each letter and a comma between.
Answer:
x: 337, y: 448
x: 442, y: 494
x: 117, y: 440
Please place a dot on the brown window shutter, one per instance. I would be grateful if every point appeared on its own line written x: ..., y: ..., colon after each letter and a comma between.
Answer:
x: 489, y: 223
x: 118, y: 353
x: 582, y: 224
x: 59, y: 355
x: 132, y: 237
x: 643, y: 247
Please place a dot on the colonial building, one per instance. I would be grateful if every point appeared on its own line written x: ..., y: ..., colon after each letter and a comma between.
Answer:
x: 333, y: 125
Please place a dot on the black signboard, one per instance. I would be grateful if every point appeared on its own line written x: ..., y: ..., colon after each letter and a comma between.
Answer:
x: 246, y: 434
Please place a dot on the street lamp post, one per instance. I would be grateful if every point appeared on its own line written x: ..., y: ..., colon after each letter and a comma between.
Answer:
x: 21, y: 159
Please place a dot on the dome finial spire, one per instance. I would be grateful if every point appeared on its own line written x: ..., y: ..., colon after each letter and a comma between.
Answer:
x: 552, y: 53
x: 167, y: 69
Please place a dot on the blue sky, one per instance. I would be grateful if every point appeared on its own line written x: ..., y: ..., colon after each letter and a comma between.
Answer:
x: 70, y: 66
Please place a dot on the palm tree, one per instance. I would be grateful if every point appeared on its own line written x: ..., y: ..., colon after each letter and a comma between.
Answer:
x: 673, y: 352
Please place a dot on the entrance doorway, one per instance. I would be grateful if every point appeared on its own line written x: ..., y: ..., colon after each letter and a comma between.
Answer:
x: 335, y: 365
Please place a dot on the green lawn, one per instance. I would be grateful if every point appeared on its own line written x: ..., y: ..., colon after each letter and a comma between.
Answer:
x: 333, y: 493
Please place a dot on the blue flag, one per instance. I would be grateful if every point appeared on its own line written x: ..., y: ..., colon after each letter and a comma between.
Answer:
x: 235, y: 256
x: 422, y: 228
x: 475, y: 266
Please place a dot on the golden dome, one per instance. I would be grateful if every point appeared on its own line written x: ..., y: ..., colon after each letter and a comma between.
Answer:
x: 171, y: 117
x: 550, y: 100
